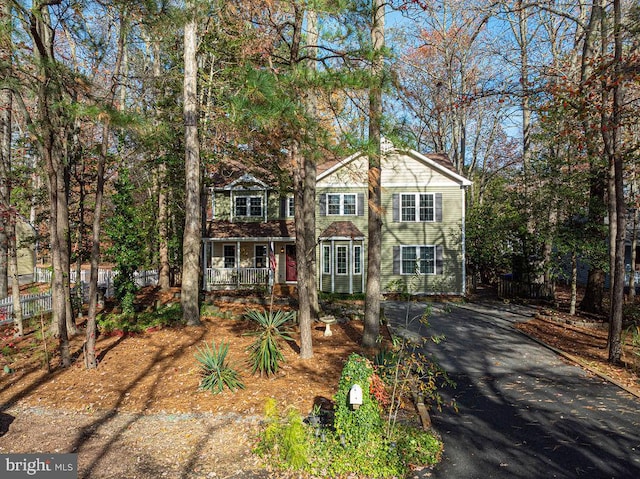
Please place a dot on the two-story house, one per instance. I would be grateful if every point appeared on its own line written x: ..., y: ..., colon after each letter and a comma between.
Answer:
x: 250, y: 239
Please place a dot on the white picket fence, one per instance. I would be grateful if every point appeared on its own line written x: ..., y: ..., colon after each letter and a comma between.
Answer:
x: 33, y: 304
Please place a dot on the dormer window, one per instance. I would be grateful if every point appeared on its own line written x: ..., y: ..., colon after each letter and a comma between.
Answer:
x: 248, y: 206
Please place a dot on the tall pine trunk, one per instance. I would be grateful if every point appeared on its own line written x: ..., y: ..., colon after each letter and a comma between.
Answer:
x: 91, y: 330
x: 593, y: 298
x: 634, y: 235
x: 193, y: 224
x: 8, y: 214
x: 612, y: 140
x: 164, y: 276
x: 310, y: 170
x: 302, y: 250
x: 49, y: 123
x: 15, y: 277
x: 374, y: 248
x: 5, y: 147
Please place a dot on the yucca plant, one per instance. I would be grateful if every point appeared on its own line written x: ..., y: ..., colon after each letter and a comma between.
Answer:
x: 216, y: 373
x: 265, y: 353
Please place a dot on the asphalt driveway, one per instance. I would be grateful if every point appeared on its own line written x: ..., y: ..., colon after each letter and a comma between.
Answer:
x: 523, y: 411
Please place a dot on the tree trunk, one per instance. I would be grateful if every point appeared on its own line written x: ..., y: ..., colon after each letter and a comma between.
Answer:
x: 310, y: 173
x: 15, y: 278
x: 592, y: 301
x: 302, y: 249
x: 91, y: 330
x: 57, y: 288
x: 612, y: 145
x: 192, y: 228
x: 374, y: 248
x: 8, y: 241
x: 90, y: 360
x: 574, y: 283
x: 634, y: 240
x: 5, y: 147
x: 164, y: 277
x: 64, y: 233
x: 50, y: 125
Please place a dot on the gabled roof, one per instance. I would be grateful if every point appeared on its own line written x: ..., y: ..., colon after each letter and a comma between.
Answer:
x: 232, y: 174
x: 438, y: 161
x: 246, y: 182
x: 342, y: 229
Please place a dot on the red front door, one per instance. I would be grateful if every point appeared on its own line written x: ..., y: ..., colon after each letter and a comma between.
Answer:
x: 291, y: 267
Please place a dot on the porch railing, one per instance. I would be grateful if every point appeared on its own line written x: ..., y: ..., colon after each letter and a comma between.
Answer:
x: 236, y: 277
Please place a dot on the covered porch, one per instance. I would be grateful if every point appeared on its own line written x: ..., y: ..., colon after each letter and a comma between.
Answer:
x: 247, y: 262
x: 342, y: 259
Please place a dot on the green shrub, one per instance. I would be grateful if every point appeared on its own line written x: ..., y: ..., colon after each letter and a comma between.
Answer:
x: 287, y: 443
x: 336, y: 297
x: 631, y: 340
x: 216, y: 374
x: 631, y: 313
x: 376, y: 458
x: 268, y: 440
x: 265, y: 353
x: 284, y: 439
x: 139, y: 322
x: 417, y: 447
x: 356, y: 426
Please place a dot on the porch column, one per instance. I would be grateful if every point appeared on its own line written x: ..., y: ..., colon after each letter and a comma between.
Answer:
x: 264, y: 208
x: 350, y: 266
x: 332, y: 268
x: 272, y: 261
x: 321, y: 263
x: 238, y: 263
x: 204, y: 264
x: 363, y: 255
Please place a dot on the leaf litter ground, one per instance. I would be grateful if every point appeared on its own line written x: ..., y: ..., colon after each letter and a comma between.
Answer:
x: 141, y: 415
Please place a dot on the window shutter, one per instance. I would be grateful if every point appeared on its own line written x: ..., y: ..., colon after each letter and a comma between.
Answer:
x: 395, y: 205
x: 283, y: 207
x: 360, y: 204
x: 211, y: 207
x: 323, y: 205
x: 439, y: 254
x: 396, y: 260
x: 439, y: 207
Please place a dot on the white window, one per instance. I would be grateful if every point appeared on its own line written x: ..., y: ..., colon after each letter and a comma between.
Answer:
x: 229, y: 253
x: 260, y: 257
x: 248, y: 206
x: 290, y: 206
x: 341, y: 204
x: 418, y: 260
x: 417, y: 207
x: 357, y: 259
x: 341, y: 260
x: 326, y: 259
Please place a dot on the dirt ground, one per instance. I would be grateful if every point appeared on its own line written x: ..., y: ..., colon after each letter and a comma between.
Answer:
x: 141, y: 415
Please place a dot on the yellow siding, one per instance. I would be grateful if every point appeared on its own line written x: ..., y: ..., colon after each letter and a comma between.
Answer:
x: 26, y: 249
x: 406, y: 171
